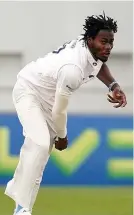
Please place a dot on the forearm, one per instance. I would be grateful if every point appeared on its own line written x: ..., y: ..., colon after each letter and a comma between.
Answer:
x: 105, y: 76
x: 59, y: 115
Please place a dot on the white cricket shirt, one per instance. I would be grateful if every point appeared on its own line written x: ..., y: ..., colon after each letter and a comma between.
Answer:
x: 48, y: 71
x: 63, y: 70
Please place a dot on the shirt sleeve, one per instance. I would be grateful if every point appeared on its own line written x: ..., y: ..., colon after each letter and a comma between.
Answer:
x: 69, y: 79
x: 59, y: 114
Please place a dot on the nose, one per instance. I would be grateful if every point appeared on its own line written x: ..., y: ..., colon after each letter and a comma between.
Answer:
x: 108, y: 47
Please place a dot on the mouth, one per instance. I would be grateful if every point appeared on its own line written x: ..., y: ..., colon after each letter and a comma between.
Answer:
x: 106, y: 54
x: 104, y: 57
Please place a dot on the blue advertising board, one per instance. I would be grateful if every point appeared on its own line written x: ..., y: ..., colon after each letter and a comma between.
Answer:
x: 99, y: 153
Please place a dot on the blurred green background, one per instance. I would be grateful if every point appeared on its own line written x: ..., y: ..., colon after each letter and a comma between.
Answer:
x: 77, y: 201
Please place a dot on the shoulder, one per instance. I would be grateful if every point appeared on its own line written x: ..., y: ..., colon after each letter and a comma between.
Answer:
x: 70, y: 78
x: 71, y: 72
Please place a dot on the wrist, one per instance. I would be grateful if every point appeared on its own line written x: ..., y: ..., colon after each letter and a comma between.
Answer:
x: 62, y: 133
x: 113, y: 85
x: 62, y: 138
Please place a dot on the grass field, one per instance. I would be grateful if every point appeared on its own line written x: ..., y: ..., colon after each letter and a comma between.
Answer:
x: 77, y: 201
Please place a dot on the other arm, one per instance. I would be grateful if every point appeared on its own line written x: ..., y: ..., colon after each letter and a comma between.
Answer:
x: 118, y: 96
x: 69, y: 80
x: 105, y: 76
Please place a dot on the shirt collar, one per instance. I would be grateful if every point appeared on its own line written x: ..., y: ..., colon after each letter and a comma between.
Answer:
x: 96, y: 64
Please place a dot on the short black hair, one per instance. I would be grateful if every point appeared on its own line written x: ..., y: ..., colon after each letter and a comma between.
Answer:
x: 93, y: 24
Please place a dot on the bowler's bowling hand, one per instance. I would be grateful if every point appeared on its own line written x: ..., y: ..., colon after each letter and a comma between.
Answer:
x: 61, y: 143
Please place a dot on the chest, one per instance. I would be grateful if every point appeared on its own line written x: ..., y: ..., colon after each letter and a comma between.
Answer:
x: 90, y: 71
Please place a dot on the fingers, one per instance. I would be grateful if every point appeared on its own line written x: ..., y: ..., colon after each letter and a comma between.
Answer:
x: 123, y: 98
x: 120, y: 96
x: 124, y: 104
x: 124, y: 101
x: 111, y: 99
x: 119, y: 103
x: 60, y: 148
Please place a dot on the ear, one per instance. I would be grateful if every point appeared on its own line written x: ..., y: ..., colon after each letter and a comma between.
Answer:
x: 89, y: 41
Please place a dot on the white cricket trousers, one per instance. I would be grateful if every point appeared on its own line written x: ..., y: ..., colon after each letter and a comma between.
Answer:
x: 35, y: 152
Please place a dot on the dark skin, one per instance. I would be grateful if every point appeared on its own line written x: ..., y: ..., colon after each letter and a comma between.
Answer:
x: 101, y: 47
x: 61, y: 143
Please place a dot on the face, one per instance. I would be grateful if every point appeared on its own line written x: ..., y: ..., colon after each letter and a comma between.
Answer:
x: 101, y: 45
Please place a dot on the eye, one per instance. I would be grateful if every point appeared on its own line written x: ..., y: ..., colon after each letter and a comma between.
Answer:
x: 103, y: 42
